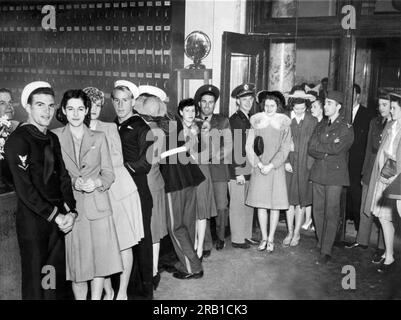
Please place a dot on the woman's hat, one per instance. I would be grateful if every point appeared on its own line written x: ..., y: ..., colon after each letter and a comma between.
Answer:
x: 31, y: 87
x: 264, y: 93
x: 301, y: 94
x: 132, y: 87
x: 153, y: 91
x: 395, y: 94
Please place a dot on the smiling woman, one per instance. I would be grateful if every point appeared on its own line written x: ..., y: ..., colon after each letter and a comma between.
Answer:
x: 74, y: 100
x: 92, y: 250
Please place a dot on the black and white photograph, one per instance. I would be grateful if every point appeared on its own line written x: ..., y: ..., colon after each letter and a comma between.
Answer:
x: 200, y: 155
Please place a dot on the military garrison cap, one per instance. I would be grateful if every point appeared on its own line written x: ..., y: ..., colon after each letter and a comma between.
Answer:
x: 335, y: 95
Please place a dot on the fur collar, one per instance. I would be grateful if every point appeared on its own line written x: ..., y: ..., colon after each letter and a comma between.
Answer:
x: 262, y: 120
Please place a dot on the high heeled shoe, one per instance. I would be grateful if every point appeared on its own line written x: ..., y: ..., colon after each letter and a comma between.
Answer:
x: 270, y: 247
x: 262, y: 245
x: 287, y: 239
x: 307, y: 225
x: 156, y: 281
x: 386, y: 268
x: 295, y: 241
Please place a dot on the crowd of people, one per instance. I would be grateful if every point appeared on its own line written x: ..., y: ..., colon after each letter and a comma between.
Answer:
x: 96, y: 198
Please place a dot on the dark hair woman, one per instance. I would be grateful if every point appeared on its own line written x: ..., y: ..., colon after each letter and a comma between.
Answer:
x: 92, y: 249
x: 298, y: 165
x: 267, y: 186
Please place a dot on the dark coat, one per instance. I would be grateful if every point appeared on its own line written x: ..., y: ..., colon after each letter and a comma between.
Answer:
x: 330, y: 166
x: 221, y: 148
x: 135, y: 143
x: 239, y: 121
x: 375, y: 135
x: 357, y: 150
x: 177, y: 175
x: 299, y: 187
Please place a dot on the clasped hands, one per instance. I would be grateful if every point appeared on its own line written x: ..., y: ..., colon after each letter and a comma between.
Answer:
x: 65, y: 222
x: 87, y: 186
x: 265, y: 169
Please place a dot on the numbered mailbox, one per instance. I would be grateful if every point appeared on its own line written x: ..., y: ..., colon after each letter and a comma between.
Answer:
x: 166, y: 37
x: 166, y: 62
x: 140, y: 37
x: 149, y: 37
x: 158, y: 37
x: 141, y: 62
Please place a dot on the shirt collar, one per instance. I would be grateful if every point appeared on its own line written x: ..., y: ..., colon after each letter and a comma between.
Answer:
x: 297, y: 118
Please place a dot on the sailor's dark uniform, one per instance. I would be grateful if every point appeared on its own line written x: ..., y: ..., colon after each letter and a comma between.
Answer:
x: 44, y: 190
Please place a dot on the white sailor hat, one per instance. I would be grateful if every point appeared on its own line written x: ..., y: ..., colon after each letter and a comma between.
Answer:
x: 31, y: 87
x: 132, y: 87
x: 153, y: 91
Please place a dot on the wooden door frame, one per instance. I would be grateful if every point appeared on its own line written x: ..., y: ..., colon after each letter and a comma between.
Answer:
x: 232, y: 44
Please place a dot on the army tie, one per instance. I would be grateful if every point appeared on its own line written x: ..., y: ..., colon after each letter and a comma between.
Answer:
x: 329, y: 124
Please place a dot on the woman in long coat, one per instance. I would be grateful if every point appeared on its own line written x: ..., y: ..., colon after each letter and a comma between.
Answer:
x: 385, y: 208
x: 124, y: 197
x: 267, y: 186
x: 92, y: 249
x: 298, y: 166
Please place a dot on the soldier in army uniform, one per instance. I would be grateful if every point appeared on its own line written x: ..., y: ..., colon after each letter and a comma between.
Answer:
x: 220, y: 156
x: 329, y: 145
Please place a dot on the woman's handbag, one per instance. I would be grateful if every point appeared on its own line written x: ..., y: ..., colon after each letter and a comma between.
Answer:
x: 389, y: 169
x: 258, y: 146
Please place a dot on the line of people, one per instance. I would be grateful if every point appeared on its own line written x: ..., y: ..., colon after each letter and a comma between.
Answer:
x: 95, y: 199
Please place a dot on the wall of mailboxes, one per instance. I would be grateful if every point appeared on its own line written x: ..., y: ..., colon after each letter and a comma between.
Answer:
x: 94, y: 44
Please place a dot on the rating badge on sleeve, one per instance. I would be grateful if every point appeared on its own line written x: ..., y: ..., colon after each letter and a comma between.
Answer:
x: 23, y: 164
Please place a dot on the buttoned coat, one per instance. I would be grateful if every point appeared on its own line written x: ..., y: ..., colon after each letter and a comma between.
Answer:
x: 329, y: 147
x: 94, y: 162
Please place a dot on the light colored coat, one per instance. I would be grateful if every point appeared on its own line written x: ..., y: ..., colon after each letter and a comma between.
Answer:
x: 123, y: 185
x: 269, y: 191
x: 375, y: 177
x: 94, y: 162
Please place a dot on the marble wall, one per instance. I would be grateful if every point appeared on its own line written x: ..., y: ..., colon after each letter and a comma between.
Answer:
x: 282, y: 55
